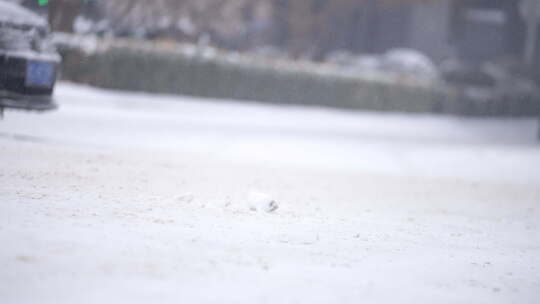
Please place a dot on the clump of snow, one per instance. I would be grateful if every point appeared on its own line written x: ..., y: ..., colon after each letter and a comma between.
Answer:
x: 16, y: 14
x: 15, y: 39
x: 24, y: 34
x: 29, y: 42
x: 370, y: 62
x: 86, y: 44
x: 208, y: 53
x: 186, y: 198
x: 83, y: 25
x: 394, y: 64
x: 86, y: 26
x: 411, y: 62
x: 186, y: 25
x: 29, y: 54
x: 258, y: 201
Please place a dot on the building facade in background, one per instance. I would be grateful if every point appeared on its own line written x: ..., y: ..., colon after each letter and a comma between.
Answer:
x: 473, y: 30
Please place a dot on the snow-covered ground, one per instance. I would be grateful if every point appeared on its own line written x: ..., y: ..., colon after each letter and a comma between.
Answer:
x: 135, y: 198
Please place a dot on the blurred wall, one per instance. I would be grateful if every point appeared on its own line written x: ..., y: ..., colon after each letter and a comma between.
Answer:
x: 431, y: 24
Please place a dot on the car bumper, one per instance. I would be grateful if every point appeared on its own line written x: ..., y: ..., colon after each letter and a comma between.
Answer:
x: 16, y: 92
x: 26, y: 102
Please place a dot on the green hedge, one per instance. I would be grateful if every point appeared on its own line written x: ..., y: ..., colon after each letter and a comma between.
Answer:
x: 143, y: 67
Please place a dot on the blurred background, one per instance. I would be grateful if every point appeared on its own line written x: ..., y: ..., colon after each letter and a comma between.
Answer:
x: 475, y: 30
x: 472, y: 57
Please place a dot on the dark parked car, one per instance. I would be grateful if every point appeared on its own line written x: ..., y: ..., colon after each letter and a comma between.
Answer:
x: 28, y: 60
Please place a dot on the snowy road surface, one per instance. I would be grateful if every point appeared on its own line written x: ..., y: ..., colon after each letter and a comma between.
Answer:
x: 134, y: 198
